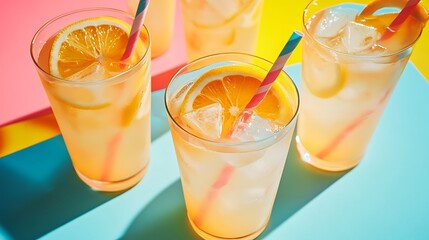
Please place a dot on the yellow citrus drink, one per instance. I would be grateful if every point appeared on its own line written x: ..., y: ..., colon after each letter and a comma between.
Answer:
x: 349, y: 72
x: 159, y: 21
x: 230, y: 172
x: 101, y: 104
x: 215, y: 26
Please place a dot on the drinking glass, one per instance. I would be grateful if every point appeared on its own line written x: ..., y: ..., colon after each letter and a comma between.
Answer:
x: 213, y: 26
x: 160, y: 23
x: 348, y: 75
x: 229, y: 186
x: 105, y: 123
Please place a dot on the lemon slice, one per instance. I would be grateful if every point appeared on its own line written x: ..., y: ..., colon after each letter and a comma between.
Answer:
x: 91, y: 49
x: 420, y: 13
x: 232, y: 87
x: 325, y: 79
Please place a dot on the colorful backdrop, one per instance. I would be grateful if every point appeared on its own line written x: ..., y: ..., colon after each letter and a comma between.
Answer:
x: 21, y: 94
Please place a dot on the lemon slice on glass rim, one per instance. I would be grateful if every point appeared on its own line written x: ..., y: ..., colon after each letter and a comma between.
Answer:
x: 231, y: 88
x: 91, y: 49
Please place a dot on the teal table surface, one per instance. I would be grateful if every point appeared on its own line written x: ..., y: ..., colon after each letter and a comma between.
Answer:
x: 385, y: 197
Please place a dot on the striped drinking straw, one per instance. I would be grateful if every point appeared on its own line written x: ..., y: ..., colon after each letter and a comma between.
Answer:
x: 135, y: 29
x: 275, y: 70
x: 271, y: 76
x: 131, y: 44
x: 260, y: 94
x: 400, y: 19
x: 394, y: 26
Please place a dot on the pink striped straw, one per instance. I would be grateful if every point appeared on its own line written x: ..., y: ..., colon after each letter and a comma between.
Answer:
x: 131, y: 45
x: 260, y: 94
x: 400, y: 19
x: 331, y: 146
x: 135, y: 29
x: 271, y: 76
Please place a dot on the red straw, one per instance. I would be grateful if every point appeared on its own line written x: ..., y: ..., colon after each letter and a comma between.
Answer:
x: 353, y: 125
x: 400, y: 19
x: 260, y: 94
x: 112, y: 149
x: 131, y: 45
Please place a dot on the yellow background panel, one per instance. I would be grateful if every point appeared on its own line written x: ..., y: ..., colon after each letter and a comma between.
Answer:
x: 25, y: 133
x: 281, y: 17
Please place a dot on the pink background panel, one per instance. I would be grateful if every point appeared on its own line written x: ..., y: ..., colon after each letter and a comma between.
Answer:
x: 21, y: 92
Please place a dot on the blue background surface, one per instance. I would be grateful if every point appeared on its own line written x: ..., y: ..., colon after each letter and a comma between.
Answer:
x: 385, y: 197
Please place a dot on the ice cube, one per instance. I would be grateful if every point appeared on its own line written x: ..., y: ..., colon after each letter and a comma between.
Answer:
x: 358, y: 37
x: 333, y: 21
x: 257, y: 128
x: 176, y: 101
x: 206, y: 121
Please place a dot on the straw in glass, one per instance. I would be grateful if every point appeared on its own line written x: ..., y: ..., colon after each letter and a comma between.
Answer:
x: 399, y: 19
x: 260, y: 94
x: 389, y: 31
x: 135, y: 29
x: 131, y: 45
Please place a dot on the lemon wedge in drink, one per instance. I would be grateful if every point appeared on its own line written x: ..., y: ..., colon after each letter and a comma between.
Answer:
x: 326, y: 81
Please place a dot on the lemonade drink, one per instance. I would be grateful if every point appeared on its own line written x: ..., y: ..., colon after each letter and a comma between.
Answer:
x: 159, y: 21
x: 102, y: 105
x: 229, y: 178
x: 348, y: 76
x: 215, y: 26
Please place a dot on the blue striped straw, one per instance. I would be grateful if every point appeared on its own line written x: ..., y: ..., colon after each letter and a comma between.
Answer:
x: 274, y: 71
x: 135, y: 29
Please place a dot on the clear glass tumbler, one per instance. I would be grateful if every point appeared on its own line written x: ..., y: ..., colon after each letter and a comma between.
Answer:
x: 229, y: 186
x: 349, y: 72
x: 105, y: 123
x: 160, y: 23
x: 213, y: 26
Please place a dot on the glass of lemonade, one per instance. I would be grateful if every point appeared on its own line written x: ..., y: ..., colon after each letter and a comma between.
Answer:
x: 230, y: 172
x: 101, y: 104
x: 160, y: 23
x: 349, y: 72
x: 215, y: 26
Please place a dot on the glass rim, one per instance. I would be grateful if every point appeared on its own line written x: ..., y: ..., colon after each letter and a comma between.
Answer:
x: 399, y: 52
x: 87, y: 82
x: 283, y: 130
